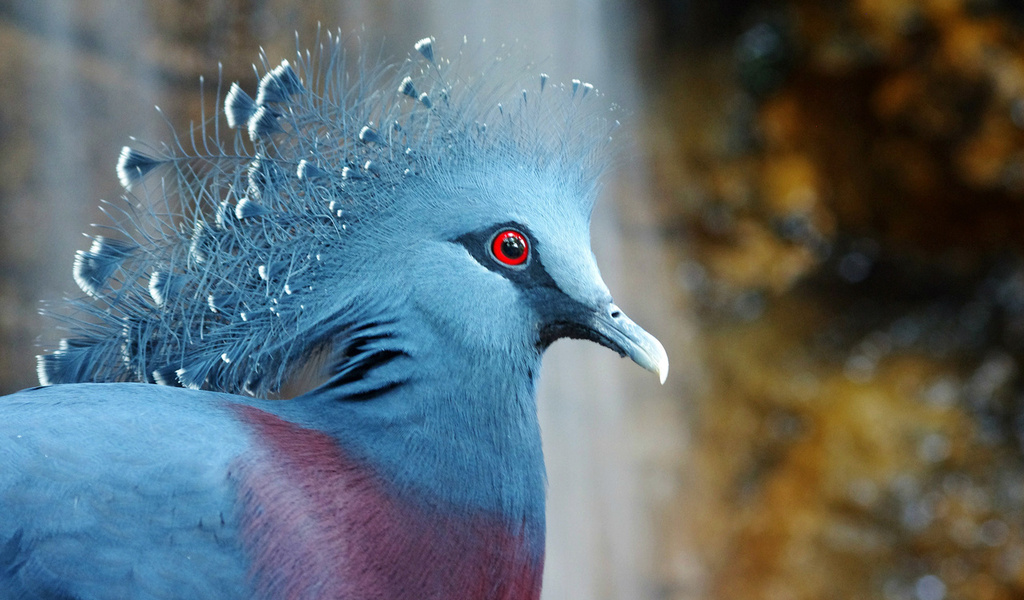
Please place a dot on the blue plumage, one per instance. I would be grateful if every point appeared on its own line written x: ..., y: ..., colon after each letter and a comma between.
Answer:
x: 105, y: 496
x: 426, y: 238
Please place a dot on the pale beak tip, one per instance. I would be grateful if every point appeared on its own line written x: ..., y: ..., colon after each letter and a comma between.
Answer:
x: 652, y: 356
x: 661, y: 363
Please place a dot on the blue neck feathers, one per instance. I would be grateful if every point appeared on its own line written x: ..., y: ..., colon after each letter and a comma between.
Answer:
x: 441, y: 423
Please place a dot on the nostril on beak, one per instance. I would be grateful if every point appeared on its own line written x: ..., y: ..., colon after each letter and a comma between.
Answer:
x: 614, y: 311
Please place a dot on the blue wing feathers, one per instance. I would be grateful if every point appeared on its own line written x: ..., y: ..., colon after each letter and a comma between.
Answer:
x: 101, y: 483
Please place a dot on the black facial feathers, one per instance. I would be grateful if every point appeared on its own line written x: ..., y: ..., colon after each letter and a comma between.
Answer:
x: 529, y: 275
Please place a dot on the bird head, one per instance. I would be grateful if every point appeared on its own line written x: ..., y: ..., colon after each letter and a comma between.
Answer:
x: 508, y: 250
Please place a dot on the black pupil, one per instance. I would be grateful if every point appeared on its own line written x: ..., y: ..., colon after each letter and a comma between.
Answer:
x: 513, y: 246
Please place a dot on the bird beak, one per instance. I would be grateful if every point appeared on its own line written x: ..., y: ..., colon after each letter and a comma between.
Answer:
x: 611, y: 328
x: 617, y: 331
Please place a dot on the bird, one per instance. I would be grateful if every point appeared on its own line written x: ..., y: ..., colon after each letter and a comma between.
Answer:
x: 420, y: 230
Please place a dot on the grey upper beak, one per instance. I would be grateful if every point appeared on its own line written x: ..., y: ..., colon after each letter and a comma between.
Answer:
x: 610, y: 327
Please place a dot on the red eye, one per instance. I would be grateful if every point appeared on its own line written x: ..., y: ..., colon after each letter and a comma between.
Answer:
x: 510, y: 248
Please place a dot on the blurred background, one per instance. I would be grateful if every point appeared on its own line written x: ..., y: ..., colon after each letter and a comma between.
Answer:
x: 817, y: 208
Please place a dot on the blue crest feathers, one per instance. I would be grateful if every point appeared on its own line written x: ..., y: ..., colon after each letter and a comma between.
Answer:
x: 133, y: 165
x: 227, y: 261
x: 239, y: 107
